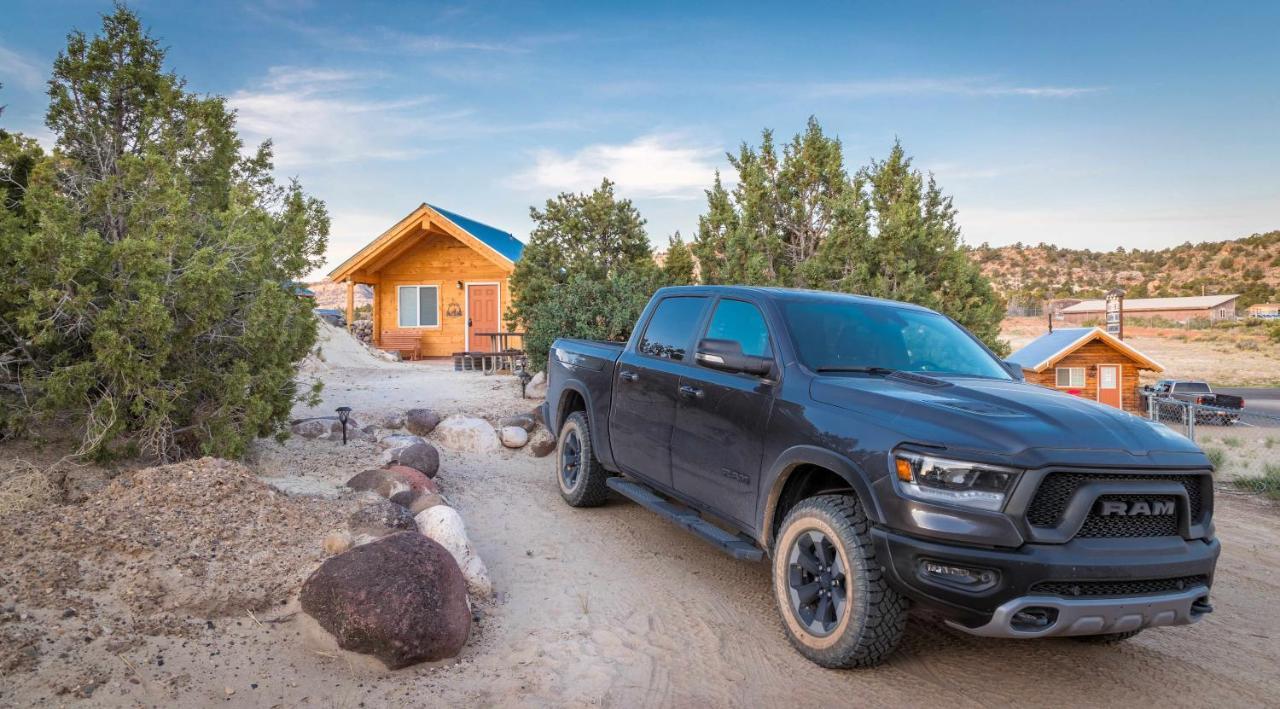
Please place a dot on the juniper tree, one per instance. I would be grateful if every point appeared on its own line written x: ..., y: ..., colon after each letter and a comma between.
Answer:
x: 154, y: 262
x: 587, y: 271
x: 678, y: 268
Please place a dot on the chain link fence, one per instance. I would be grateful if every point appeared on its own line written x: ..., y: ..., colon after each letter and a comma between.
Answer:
x: 1242, y: 444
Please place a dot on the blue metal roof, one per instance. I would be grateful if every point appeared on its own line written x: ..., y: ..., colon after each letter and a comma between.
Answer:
x: 497, y: 239
x: 1047, y: 345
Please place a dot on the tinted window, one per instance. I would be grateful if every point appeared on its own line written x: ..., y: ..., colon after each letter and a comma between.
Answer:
x: 842, y: 334
x: 671, y: 327
x: 1192, y: 388
x: 742, y: 323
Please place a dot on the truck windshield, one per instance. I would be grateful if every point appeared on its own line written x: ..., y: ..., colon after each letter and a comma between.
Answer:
x: 868, y: 337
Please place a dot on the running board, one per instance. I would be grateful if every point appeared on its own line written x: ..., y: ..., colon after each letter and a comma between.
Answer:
x: 734, y: 545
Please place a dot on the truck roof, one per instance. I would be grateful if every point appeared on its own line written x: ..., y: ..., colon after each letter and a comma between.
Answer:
x: 786, y: 294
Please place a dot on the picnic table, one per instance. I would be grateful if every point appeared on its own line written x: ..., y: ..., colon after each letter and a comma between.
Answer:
x: 502, y: 355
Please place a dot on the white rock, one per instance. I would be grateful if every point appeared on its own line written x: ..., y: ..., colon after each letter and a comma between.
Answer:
x: 514, y: 437
x: 466, y: 433
x: 444, y: 525
x: 400, y: 440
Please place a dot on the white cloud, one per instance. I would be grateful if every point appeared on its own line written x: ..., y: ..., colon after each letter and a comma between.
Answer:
x: 21, y: 71
x: 350, y: 231
x: 962, y: 86
x: 320, y: 116
x: 653, y: 166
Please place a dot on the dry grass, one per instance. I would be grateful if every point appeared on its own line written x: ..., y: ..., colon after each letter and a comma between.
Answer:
x: 25, y: 487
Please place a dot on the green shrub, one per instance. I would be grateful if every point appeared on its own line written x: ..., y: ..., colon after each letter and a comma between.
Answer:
x: 1231, y: 442
x: 147, y: 264
x: 1216, y: 456
x: 1267, y: 484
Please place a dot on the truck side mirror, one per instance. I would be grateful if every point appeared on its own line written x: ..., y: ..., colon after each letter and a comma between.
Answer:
x: 1015, y: 369
x: 727, y: 356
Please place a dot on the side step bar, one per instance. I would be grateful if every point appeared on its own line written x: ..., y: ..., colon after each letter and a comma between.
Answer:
x: 738, y: 547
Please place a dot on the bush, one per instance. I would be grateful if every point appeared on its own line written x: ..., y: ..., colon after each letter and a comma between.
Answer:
x: 1216, y: 456
x: 1267, y: 484
x: 151, y: 263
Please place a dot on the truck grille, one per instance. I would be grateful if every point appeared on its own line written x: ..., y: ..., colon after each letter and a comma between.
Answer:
x: 1056, y: 490
x: 1117, y: 588
x: 1096, y: 525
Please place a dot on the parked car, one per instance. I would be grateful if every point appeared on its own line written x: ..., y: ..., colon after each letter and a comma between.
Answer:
x: 1225, y: 408
x: 881, y: 456
x: 333, y: 316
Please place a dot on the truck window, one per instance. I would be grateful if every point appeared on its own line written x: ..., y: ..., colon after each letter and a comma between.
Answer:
x: 741, y: 322
x: 839, y: 334
x: 673, y: 323
x: 1191, y: 388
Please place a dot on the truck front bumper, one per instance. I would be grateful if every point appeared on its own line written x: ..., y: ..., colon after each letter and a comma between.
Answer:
x: 1083, y: 587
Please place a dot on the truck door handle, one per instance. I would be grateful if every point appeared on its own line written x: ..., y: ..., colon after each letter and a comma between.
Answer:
x: 628, y: 376
x: 690, y: 392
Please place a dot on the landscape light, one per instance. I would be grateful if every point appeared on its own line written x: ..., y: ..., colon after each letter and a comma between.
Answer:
x: 343, y: 413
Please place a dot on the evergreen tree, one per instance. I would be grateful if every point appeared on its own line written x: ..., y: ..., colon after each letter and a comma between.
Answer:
x: 153, y: 261
x: 803, y: 221
x: 588, y: 268
x: 678, y: 267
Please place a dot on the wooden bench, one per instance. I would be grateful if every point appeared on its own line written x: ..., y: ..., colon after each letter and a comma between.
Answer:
x: 402, y: 342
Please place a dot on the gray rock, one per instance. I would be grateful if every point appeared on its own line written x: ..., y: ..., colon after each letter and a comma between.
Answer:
x: 520, y: 421
x: 421, y: 421
x: 382, y: 482
x: 400, y: 440
x: 514, y: 437
x: 380, y: 519
x: 313, y: 428
x: 392, y: 421
x: 422, y: 457
x: 542, y: 443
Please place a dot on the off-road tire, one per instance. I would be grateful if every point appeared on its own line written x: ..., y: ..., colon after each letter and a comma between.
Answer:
x: 874, y: 615
x: 1106, y: 639
x: 587, y: 488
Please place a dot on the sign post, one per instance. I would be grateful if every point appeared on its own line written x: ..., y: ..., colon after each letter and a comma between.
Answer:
x: 1115, y: 313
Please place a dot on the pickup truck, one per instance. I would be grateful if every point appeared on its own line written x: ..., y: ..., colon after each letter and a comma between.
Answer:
x: 1224, y: 409
x: 883, y: 458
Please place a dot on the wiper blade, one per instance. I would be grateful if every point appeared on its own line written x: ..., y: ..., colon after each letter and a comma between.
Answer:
x: 883, y: 371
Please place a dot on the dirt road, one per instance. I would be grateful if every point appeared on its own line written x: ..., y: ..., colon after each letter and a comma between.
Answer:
x: 614, y: 607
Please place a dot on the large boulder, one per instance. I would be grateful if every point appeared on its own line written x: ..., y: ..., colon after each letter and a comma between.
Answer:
x: 381, y: 481
x: 399, y: 440
x: 380, y: 519
x: 542, y: 443
x: 414, y: 478
x: 420, y: 456
x: 401, y: 599
x: 523, y: 421
x: 514, y: 437
x: 421, y: 421
x: 391, y: 421
x: 467, y: 434
x: 312, y: 428
x: 443, y: 524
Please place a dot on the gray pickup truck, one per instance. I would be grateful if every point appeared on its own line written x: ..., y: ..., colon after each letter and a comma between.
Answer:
x: 883, y: 457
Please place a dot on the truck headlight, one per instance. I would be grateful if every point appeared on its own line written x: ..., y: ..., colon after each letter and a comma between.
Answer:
x: 955, y: 482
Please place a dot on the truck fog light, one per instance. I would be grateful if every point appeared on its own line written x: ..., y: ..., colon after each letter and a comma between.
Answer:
x: 958, y: 576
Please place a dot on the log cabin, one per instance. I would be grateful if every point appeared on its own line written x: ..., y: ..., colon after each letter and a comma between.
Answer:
x: 1087, y: 362
x: 438, y: 278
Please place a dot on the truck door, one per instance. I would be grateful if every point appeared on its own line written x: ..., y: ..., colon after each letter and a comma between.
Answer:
x: 722, y: 419
x: 645, y: 388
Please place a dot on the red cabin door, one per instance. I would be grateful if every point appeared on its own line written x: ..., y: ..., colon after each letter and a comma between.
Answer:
x: 482, y: 316
x: 1109, y: 384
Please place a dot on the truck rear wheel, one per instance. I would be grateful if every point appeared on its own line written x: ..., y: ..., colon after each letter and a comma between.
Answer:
x: 836, y: 606
x: 579, y: 474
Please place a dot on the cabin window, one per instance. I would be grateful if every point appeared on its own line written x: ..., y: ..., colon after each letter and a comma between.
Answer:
x: 1070, y: 376
x: 419, y: 306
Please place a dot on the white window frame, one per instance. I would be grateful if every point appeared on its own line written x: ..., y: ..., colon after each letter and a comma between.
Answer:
x: 1057, y: 377
x: 419, y: 326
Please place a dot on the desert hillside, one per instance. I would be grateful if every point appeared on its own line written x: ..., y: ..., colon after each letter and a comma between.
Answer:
x: 1029, y: 274
x: 334, y: 295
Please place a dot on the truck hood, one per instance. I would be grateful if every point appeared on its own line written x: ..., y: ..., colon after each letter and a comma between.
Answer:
x: 1012, y: 420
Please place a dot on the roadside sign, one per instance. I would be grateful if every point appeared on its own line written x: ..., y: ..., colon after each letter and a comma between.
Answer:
x: 1115, y: 313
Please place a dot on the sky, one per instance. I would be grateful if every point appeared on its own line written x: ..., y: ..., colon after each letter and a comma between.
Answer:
x: 1083, y: 124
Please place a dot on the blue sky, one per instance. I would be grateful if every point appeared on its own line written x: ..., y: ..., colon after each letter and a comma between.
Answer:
x: 1079, y: 123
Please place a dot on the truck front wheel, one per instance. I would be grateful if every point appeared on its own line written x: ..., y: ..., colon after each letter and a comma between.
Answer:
x: 836, y: 607
x: 580, y: 475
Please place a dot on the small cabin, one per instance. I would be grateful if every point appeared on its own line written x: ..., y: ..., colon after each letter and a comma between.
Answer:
x: 1087, y: 362
x: 439, y: 279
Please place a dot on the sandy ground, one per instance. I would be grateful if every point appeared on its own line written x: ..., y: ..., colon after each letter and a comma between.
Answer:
x: 615, y: 607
